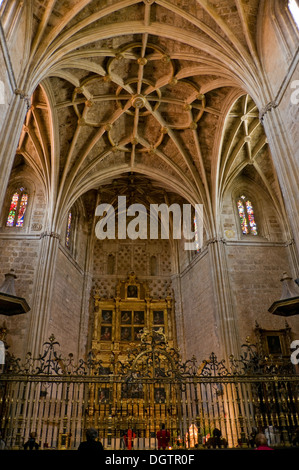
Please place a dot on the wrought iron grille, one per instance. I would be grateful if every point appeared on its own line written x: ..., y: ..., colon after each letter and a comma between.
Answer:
x: 211, y: 404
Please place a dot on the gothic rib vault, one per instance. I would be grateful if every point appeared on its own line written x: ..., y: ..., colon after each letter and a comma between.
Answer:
x: 157, y: 88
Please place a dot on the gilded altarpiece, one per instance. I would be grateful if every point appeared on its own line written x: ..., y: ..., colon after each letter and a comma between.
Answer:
x: 121, y: 324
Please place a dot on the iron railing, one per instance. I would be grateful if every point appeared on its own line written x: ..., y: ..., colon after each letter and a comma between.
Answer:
x: 207, y: 405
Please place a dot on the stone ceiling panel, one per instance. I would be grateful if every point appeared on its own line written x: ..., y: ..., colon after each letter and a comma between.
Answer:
x: 145, y: 87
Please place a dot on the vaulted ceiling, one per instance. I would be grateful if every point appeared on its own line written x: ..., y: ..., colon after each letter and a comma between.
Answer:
x: 161, y: 89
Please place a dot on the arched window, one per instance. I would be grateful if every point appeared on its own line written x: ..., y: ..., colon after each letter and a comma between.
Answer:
x: 17, y: 209
x: 68, y: 230
x: 246, y: 214
x: 293, y: 7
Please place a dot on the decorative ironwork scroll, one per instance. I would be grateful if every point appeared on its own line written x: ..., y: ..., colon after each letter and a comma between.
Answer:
x: 59, y: 397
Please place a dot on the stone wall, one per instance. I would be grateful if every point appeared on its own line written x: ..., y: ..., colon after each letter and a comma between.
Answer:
x: 255, y: 264
x: 200, y: 331
x: 20, y: 251
x: 278, y: 50
x: 22, y: 255
x: 255, y: 273
x: 67, y: 304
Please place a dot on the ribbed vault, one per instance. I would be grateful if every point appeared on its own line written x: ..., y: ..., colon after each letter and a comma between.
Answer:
x: 157, y: 88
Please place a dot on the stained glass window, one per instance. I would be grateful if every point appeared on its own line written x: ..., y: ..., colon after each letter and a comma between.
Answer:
x: 12, y: 210
x: 250, y: 214
x: 22, y: 210
x: 242, y: 215
x: 246, y: 214
x: 68, y: 230
x: 17, y: 209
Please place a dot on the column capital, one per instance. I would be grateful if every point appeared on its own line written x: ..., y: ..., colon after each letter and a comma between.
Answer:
x: 267, y: 108
x: 51, y: 235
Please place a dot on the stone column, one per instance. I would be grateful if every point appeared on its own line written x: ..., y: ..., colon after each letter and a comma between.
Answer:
x: 225, y: 313
x: 179, y: 340
x: 10, y: 134
x: 83, y: 339
x: 286, y: 162
x: 41, y: 305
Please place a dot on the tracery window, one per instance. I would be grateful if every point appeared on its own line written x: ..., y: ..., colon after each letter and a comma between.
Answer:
x: 68, y: 230
x: 293, y: 7
x: 17, y: 208
x: 71, y: 239
x: 247, y: 216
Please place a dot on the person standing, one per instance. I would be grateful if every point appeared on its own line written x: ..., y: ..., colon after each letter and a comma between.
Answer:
x: 163, y: 437
x: 129, y: 439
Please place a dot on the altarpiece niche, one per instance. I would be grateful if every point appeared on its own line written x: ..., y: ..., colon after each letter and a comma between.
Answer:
x: 119, y: 322
x: 120, y: 325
